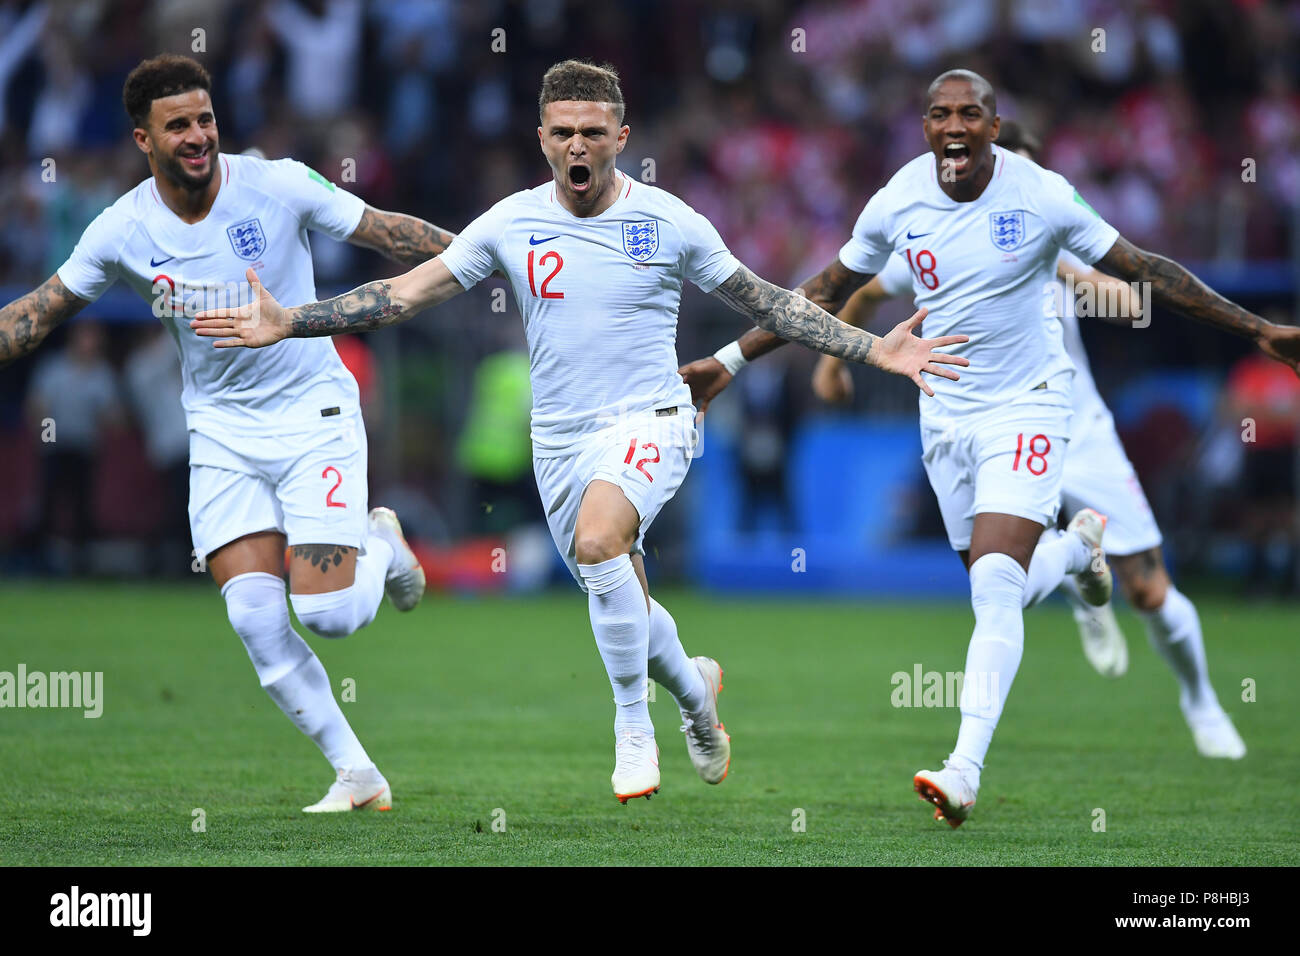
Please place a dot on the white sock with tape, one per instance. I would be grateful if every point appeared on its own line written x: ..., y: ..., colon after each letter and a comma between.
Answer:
x: 621, y: 624
x: 291, y: 674
x: 997, y: 585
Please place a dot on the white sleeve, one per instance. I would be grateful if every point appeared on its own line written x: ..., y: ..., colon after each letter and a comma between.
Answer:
x: 895, y: 278
x: 868, y: 249
x: 706, y: 260
x: 92, y: 267
x: 1071, y: 262
x: 472, y: 255
x: 1075, y: 225
x: 320, y: 205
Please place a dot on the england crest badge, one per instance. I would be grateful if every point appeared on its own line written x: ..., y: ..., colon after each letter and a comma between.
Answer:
x: 247, y: 239
x: 1007, y: 229
x: 641, y: 239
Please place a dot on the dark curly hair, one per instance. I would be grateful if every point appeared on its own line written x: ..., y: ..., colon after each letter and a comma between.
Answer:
x: 164, y: 75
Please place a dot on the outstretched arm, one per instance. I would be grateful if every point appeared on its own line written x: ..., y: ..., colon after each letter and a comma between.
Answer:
x: 25, y: 322
x: 371, y: 306
x: 1177, y: 289
x: 831, y: 381
x: 791, y: 317
x: 827, y: 289
x: 794, y: 318
x: 402, y: 238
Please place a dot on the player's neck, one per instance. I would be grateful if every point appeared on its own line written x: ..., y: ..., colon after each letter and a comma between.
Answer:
x: 190, y: 205
x: 597, y: 205
x: 971, y: 189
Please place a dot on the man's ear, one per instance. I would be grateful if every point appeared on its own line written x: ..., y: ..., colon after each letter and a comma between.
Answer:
x: 141, y: 137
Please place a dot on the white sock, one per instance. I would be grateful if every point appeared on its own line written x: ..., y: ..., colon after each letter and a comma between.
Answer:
x: 997, y: 584
x: 286, y: 667
x: 1058, y: 553
x: 622, y: 628
x: 1174, y: 630
x: 347, y: 610
x: 668, y: 664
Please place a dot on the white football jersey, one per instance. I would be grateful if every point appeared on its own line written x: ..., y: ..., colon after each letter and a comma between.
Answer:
x: 599, y: 298
x: 260, y: 218
x: 1088, y: 405
x: 985, y: 269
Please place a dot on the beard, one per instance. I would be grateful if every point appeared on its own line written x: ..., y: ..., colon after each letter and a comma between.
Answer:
x: 175, y: 171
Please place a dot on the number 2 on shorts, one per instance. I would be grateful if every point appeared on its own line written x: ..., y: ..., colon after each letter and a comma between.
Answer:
x: 329, y: 495
x: 1034, y: 453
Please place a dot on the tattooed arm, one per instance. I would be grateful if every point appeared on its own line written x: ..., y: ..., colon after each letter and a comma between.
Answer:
x: 25, y: 322
x: 794, y: 318
x: 828, y: 289
x: 789, y: 317
x: 707, y: 377
x: 371, y: 306
x: 402, y: 238
x: 1178, y: 290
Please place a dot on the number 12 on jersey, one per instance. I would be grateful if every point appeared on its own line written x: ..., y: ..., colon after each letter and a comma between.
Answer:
x: 554, y: 256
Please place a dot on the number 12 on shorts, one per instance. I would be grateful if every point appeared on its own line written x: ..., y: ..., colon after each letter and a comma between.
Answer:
x: 1035, y: 453
x: 640, y: 465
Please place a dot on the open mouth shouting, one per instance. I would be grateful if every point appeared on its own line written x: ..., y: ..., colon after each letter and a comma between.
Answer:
x: 580, y: 177
x: 956, y: 157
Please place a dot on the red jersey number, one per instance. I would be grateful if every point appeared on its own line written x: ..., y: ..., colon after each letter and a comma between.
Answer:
x: 552, y: 255
x: 923, y: 267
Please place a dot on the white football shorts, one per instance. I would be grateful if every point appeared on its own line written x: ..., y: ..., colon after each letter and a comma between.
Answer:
x: 308, y: 483
x: 1099, y: 475
x: 1008, y: 461
x: 647, y: 454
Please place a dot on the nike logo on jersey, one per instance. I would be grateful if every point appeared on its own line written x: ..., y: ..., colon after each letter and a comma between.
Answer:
x: 917, y: 236
x: 534, y: 241
x: 154, y: 264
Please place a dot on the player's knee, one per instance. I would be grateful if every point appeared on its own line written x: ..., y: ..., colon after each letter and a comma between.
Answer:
x: 1146, y: 593
x: 996, y: 580
x: 252, y: 600
x: 331, y: 614
x: 599, y: 545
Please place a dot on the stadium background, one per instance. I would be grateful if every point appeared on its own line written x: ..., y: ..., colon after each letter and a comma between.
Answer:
x: 779, y: 147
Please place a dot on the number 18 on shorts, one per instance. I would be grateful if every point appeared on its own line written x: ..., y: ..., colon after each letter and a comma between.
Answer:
x: 1013, y: 466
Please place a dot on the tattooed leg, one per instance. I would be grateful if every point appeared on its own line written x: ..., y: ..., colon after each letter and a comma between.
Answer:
x: 1142, y: 578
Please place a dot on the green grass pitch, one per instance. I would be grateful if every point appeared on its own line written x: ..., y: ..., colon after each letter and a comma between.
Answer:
x: 497, y: 710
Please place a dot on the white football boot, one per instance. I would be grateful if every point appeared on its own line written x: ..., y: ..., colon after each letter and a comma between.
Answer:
x: 404, y: 583
x: 1215, y: 735
x: 636, y: 766
x: 1103, y: 641
x: 707, y: 740
x: 1096, y: 583
x: 951, y: 791
x: 355, y: 790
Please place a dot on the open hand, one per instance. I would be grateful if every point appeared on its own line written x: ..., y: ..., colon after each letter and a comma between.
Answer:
x: 903, y: 353
x: 260, y: 323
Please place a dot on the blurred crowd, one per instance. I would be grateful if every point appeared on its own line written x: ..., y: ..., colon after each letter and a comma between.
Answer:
x: 776, y: 120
